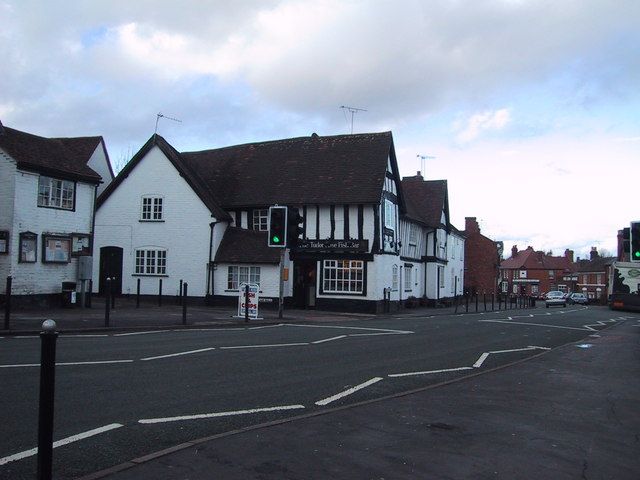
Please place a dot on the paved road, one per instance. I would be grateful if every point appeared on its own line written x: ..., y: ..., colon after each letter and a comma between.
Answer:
x: 134, y: 393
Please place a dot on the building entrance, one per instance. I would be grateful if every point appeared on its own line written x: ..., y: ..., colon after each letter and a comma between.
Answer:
x: 304, y: 286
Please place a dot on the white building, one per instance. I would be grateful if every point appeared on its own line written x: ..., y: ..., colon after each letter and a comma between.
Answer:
x: 202, y: 217
x: 48, y: 189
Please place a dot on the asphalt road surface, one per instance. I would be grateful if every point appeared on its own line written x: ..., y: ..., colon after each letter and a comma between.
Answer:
x: 120, y: 396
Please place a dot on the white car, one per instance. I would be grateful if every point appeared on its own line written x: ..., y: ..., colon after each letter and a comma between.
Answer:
x: 556, y: 298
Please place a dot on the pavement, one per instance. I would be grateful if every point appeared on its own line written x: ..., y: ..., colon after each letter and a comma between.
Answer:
x: 569, y: 413
x: 127, y: 315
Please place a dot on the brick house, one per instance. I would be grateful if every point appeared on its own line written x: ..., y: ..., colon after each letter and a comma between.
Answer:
x: 531, y: 272
x: 592, y: 275
x: 48, y: 189
x: 481, y: 260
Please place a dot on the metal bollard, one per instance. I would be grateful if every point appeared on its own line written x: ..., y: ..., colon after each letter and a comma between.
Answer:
x: 184, y: 303
x: 107, y: 302
x: 138, y: 294
x: 246, y: 303
x: 7, y: 304
x: 159, y: 292
x: 48, y: 338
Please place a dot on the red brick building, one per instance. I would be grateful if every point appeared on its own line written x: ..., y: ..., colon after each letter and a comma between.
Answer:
x: 529, y: 272
x: 592, y: 275
x: 481, y: 260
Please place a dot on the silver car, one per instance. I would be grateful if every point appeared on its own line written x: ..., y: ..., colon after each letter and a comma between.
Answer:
x: 580, y: 298
x: 555, y: 298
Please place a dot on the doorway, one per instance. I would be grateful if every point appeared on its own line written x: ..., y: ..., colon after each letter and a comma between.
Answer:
x: 111, y: 267
x: 304, y: 286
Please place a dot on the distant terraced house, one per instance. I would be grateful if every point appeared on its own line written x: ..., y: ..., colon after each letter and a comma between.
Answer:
x: 202, y: 218
x: 48, y: 191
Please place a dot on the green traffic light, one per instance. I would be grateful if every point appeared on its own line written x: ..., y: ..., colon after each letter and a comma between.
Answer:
x: 636, y: 254
x: 275, y: 239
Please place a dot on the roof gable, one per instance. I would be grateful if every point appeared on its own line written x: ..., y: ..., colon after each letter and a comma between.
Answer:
x: 426, y: 201
x: 195, y: 182
x: 60, y: 157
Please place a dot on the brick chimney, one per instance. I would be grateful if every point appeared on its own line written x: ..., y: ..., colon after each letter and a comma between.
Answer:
x: 594, y: 253
x: 471, y: 225
x: 568, y: 254
x: 514, y: 251
x: 416, y: 178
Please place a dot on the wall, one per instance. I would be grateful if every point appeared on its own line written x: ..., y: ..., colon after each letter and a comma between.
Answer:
x: 39, y: 277
x: 100, y: 164
x: 7, y: 179
x: 481, y: 260
x: 184, y: 233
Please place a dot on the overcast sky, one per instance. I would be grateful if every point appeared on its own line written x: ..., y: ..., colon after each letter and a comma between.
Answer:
x: 530, y: 108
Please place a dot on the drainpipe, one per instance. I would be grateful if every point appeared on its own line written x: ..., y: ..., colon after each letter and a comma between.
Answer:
x: 209, y: 268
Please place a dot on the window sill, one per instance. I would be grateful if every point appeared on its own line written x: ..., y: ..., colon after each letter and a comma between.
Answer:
x: 149, y: 275
x: 150, y: 221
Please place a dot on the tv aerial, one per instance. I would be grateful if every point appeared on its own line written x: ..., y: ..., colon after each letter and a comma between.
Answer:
x: 160, y: 115
x: 353, y: 111
x: 423, y: 158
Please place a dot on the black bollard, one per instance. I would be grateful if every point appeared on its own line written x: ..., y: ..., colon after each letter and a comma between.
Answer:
x: 48, y: 338
x: 493, y: 302
x: 476, y: 302
x: 466, y: 307
x: 159, y: 292
x: 484, y: 300
x: 112, y: 293
x: 107, y: 302
x: 246, y: 303
x: 180, y: 294
x: 138, y: 294
x: 7, y: 304
x: 184, y: 303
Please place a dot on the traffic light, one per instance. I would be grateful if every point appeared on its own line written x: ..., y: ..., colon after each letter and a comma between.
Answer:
x: 294, y: 227
x: 634, y: 233
x: 277, y: 226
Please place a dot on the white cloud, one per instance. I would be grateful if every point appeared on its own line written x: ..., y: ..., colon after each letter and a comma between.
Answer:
x: 482, y: 122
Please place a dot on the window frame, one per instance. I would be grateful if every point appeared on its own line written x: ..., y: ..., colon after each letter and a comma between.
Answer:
x: 239, y: 274
x: 394, y: 278
x: 259, y: 219
x: 342, y: 267
x: 32, y: 238
x: 56, y: 255
x: 154, y: 210
x: 408, y: 280
x: 47, y: 191
x: 5, y: 240
x: 440, y: 276
x: 145, y: 262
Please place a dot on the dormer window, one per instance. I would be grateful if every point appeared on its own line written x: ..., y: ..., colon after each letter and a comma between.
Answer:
x: 55, y: 193
x: 151, y: 209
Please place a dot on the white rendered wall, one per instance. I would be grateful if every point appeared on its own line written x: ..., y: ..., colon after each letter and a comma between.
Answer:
x: 184, y: 233
x: 7, y: 179
x: 100, y: 164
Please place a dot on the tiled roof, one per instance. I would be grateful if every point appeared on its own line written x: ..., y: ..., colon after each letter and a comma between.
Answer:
x: 598, y: 264
x: 425, y: 200
x: 246, y: 246
x: 62, y: 157
x: 529, y: 259
x: 306, y: 170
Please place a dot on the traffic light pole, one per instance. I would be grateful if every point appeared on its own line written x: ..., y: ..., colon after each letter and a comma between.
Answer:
x: 281, y: 290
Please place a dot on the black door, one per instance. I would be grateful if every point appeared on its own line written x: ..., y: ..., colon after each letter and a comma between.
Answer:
x: 111, y: 267
x: 304, y: 286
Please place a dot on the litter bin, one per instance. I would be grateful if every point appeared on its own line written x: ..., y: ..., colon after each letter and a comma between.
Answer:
x: 68, y: 294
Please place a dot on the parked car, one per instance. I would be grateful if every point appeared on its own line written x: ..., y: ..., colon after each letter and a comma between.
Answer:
x: 555, y: 298
x: 579, y: 298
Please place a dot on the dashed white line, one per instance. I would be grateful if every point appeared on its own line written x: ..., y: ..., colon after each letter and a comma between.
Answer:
x: 178, y: 354
x: 347, y: 392
x: 139, y: 333
x: 219, y: 414
x: 429, y: 372
x: 59, y: 443
x: 266, y: 346
x: 535, y: 324
x: 67, y: 364
x: 329, y: 339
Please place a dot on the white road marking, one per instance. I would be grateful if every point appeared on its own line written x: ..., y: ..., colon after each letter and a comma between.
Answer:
x: 139, y: 333
x: 349, y: 328
x: 535, y: 324
x: 266, y: 346
x: 177, y: 354
x: 329, y: 339
x: 84, y: 335
x: 219, y: 414
x: 599, y: 323
x: 394, y: 375
x: 485, y: 355
x: 348, y: 391
x: 374, y: 334
x: 67, y: 364
x: 265, y: 326
x: 60, y: 443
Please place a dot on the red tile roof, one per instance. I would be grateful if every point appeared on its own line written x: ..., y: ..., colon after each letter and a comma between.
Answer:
x: 529, y: 259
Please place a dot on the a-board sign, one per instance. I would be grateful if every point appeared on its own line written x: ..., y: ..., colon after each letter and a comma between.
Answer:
x: 254, y: 298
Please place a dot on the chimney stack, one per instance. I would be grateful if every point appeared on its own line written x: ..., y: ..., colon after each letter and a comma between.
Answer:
x: 514, y: 251
x: 471, y: 225
x: 569, y: 255
x: 594, y: 253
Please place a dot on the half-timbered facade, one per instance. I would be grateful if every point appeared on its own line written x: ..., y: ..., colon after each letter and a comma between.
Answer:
x: 432, y: 250
x: 214, y: 215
